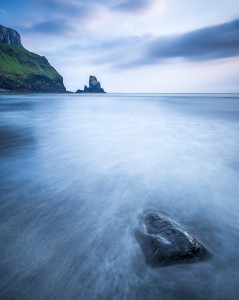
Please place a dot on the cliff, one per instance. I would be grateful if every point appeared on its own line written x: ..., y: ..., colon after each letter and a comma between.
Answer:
x: 9, y: 36
x: 94, y: 86
x: 24, y: 71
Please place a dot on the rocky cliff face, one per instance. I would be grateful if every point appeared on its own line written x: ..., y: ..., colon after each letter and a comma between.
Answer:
x: 9, y: 36
x: 94, y: 86
x: 24, y: 71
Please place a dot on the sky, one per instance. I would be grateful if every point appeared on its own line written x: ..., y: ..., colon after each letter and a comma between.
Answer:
x: 146, y: 46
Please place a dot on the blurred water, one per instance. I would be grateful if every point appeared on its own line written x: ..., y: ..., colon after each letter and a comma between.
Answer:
x: 77, y: 170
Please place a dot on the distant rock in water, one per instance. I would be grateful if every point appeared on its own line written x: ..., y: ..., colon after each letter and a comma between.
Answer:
x: 94, y: 86
x: 24, y: 71
x: 164, y: 242
x: 79, y: 91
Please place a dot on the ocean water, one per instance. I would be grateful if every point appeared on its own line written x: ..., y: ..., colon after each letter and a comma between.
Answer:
x: 77, y: 170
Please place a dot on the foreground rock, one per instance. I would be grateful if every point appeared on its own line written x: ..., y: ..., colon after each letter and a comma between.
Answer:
x: 94, y: 86
x: 165, y: 243
x: 24, y: 71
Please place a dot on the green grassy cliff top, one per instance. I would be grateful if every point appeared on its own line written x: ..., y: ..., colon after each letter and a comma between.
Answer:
x: 17, y: 60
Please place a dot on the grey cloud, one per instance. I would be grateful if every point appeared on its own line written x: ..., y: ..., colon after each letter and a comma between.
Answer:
x: 105, y: 45
x: 66, y: 8
x: 133, y: 6
x: 213, y: 42
x: 53, y: 27
x: 61, y: 15
x: 58, y: 16
x: 120, y: 5
x: 58, y: 26
x: 209, y: 43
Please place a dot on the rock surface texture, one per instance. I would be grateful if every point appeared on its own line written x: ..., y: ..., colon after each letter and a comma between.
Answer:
x: 165, y: 243
x: 24, y: 71
x: 94, y: 86
x: 9, y: 36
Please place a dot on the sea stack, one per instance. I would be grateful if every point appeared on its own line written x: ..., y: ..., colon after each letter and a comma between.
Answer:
x: 24, y: 71
x: 94, y: 86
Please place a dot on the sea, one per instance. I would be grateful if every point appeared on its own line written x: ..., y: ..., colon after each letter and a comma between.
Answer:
x: 77, y: 170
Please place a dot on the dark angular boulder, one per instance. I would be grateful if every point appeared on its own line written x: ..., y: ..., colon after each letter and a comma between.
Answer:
x: 164, y: 242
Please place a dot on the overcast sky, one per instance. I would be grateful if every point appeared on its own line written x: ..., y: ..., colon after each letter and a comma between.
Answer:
x: 134, y: 45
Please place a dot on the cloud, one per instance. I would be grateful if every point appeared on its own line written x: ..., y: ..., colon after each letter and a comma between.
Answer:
x: 58, y: 26
x: 58, y: 18
x: 66, y: 8
x: 121, y: 5
x: 220, y: 41
x: 209, y: 43
x: 104, y: 45
x: 3, y: 12
x: 133, y: 6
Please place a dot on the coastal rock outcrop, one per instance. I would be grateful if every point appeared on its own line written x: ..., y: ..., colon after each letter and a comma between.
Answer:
x: 24, y: 71
x: 94, y: 86
x: 164, y: 242
x: 9, y: 36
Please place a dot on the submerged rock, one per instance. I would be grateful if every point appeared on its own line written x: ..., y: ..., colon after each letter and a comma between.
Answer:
x: 164, y: 242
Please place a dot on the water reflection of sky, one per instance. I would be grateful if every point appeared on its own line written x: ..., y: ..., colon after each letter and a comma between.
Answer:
x: 77, y: 171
